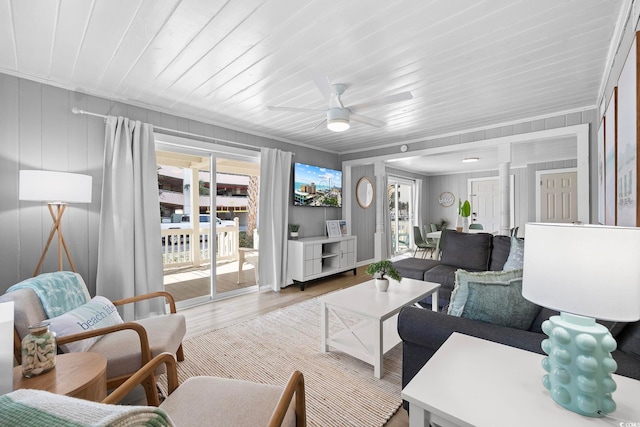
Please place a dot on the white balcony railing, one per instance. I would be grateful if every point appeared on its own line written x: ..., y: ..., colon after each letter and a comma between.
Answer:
x: 180, y: 248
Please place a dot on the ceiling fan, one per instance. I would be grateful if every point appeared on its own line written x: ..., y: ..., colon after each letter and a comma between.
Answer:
x: 338, y: 116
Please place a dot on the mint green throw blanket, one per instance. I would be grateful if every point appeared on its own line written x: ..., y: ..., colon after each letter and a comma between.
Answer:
x: 36, y: 408
x: 59, y: 292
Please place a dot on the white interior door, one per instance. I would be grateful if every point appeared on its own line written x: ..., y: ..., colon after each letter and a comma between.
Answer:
x: 485, y: 203
x: 558, y: 196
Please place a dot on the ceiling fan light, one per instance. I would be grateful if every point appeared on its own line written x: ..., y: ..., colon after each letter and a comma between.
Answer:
x: 338, y: 119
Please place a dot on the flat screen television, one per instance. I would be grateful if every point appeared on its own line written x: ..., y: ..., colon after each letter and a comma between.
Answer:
x: 316, y: 186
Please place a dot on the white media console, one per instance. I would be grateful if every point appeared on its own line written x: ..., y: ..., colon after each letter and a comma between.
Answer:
x: 314, y: 257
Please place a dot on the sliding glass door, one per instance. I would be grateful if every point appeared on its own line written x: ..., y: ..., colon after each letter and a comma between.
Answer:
x: 401, y: 194
x: 208, y: 206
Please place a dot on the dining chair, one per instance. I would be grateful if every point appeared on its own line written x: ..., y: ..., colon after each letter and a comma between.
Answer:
x: 476, y: 226
x: 421, y: 243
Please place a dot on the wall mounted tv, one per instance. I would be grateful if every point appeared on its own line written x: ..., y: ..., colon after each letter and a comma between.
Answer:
x: 316, y: 186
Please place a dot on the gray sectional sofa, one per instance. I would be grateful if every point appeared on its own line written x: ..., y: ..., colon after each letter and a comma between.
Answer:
x: 423, y: 331
x: 471, y: 252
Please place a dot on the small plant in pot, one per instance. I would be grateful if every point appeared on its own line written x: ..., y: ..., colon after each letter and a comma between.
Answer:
x: 293, y: 230
x: 381, y: 271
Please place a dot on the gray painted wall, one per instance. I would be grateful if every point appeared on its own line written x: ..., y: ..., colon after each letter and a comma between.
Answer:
x: 363, y: 221
x: 524, y: 178
x: 39, y: 131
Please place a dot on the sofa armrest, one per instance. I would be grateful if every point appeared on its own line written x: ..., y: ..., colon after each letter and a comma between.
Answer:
x: 424, y: 331
x: 166, y: 295
x: 431, y: 329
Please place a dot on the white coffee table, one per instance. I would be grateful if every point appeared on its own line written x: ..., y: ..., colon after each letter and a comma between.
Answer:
x: 474, y: 382
x: 373, y: 337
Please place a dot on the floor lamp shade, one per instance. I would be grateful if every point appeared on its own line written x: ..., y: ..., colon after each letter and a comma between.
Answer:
x: 58, y: 189
x: 586, y: 272
x: 54, y: 187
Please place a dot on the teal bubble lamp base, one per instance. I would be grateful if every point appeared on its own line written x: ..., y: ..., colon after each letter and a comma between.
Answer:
x: 579, y: 364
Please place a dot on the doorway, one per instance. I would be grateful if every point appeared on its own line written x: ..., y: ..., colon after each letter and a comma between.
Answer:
x: 484, y: 196
x: 557, y: 196
x: 401, y: 212
x: 208, y: 206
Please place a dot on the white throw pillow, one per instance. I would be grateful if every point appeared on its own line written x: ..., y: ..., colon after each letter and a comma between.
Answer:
x: 97, y: 313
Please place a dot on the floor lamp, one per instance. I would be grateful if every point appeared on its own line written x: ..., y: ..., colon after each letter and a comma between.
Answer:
x: 58, y: 189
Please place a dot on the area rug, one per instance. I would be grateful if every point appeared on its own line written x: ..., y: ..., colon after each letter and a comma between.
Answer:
x: 340, y: 390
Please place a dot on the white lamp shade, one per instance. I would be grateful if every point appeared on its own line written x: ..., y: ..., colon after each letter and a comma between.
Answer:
x: 589, y: 270
x: 50, y: 186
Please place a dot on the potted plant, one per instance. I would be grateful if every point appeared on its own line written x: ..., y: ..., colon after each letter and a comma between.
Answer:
x: 293, y: 230
x: 464, y: 212
x: 380, y: 271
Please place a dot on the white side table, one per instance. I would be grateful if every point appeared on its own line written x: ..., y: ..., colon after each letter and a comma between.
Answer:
x: 474, y: 382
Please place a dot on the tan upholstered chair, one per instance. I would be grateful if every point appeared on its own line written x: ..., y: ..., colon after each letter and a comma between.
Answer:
x: 127, y: 346
x: 199, y: 401
x: 212, y: 401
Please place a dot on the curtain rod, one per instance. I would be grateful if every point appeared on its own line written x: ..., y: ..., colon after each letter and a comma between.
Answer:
x: 76, y: 110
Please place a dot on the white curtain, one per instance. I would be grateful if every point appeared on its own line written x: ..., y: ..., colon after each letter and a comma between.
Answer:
x: 273, y: 216
x: 387, y: 245
x: 417, y: 206
x: 129, y: 250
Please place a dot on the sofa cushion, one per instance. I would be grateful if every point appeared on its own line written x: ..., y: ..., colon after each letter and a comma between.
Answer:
x: 462, y: 279
x: 97, y: 313
x: 516, y: 255
x: 414, y: 268
x: 500, y: 303
x: 467, y: 250
x: 500, y: 247
x: 445, y: 275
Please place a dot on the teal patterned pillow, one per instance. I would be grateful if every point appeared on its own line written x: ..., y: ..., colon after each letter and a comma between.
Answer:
x: 461, y: 288
x: 500, y: 304
x: 516, y: 255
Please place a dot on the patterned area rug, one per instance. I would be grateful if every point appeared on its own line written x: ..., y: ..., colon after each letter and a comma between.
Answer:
x: 340, y: 390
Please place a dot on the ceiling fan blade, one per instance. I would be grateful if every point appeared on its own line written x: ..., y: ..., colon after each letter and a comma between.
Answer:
x: 324, y: 85
x: 319, y: 124
x: 402, y: 96
x: 296, y: 110
x: 367, y: 120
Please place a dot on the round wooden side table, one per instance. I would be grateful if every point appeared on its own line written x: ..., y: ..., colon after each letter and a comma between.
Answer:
x: 82, y: 375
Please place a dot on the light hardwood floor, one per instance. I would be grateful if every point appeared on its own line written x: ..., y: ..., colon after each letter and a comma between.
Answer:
x: 226, y: 312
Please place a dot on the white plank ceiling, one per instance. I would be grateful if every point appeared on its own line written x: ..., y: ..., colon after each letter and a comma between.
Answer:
x: 468, y: 63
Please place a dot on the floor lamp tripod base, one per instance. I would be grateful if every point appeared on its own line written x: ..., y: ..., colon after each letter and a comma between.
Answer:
x: 56, y: 215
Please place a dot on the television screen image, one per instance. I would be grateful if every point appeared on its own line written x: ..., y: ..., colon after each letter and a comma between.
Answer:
x: 316, y: 186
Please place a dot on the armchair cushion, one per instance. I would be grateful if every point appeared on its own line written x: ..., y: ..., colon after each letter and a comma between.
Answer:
x: 97, y: 313
x: 214, y: 397
x: 165, y: 333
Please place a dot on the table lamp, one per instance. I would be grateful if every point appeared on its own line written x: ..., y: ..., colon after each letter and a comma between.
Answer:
x: 586, y: 272
x: 58, y: 189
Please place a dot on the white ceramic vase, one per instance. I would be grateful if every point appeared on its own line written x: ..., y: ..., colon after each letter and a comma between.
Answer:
x: 465, y: 224
x: 382, y: 285
x: 294, y: 235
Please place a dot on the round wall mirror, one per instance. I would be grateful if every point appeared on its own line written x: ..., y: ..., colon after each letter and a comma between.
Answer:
x: 364, y: 192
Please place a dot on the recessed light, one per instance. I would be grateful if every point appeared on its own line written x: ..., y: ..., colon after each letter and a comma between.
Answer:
x: 470, y: 159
